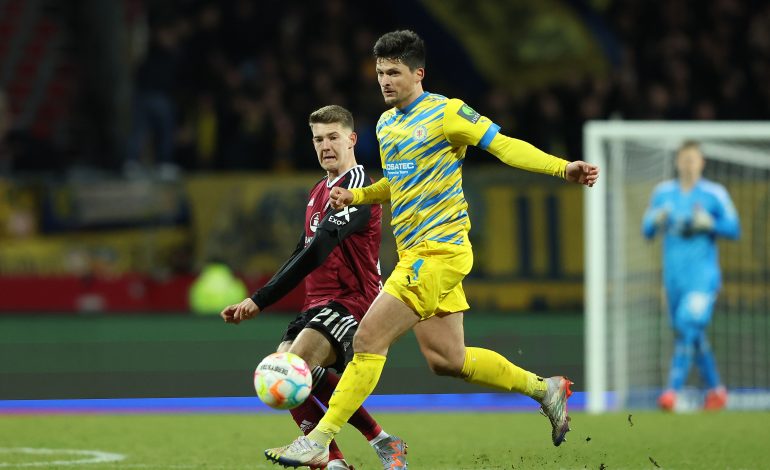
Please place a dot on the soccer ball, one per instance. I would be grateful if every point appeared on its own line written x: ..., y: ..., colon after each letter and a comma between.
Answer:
x: 283, y: 380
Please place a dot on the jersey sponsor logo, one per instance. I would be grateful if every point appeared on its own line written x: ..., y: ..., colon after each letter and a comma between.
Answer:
x: 336, y: 219
x: 420, y: 133
x: 314, y: 220
x: 469, y: 114
x: 401, y: 168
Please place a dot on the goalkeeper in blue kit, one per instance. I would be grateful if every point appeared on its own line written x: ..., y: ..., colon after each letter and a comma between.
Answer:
x: 691, y: 212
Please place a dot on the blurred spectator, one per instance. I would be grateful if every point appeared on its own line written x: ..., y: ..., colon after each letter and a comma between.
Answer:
x: 153, y: 109
x: 18, y: 151
x: 6, y: 157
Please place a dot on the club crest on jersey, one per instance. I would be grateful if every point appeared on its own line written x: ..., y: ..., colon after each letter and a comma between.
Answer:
x: 420, y: 133
x: 469, y: 114
x: 314, y: 220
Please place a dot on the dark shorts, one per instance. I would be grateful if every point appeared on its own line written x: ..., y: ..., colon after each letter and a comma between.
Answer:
x: 333, y: 321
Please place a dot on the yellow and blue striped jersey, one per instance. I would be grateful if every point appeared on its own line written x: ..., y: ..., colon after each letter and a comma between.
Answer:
x: 422, y: 148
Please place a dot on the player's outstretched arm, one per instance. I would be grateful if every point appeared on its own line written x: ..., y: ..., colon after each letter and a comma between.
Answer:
x: 520, y: 154
x: 249, y: 308
x: 582, y: 173
x: 331, y: 231
x: 376, y: 193
x: 464, y: 126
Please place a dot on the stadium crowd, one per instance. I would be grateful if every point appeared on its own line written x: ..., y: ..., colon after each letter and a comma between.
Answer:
x: 229, y: 85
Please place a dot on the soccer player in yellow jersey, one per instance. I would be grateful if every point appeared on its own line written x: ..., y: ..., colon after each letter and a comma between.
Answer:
x: 423, y: 139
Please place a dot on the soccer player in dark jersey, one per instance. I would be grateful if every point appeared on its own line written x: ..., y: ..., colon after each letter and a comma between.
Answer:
x: 338, y: 258
x: 423, y: 139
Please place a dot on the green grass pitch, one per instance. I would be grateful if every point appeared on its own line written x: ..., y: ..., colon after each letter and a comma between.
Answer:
x: 440, y: 441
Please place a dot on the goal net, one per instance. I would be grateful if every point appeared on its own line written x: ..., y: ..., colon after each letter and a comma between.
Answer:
x: 628, y: 339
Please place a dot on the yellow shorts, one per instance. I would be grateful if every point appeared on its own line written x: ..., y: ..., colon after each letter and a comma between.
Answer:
x: 428, y: 278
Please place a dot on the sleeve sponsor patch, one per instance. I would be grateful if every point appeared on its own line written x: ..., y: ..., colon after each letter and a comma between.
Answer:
x: 342, y: 217
x: 469, y: 114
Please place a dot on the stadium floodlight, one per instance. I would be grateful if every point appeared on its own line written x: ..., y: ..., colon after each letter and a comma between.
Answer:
x: 628, y: 340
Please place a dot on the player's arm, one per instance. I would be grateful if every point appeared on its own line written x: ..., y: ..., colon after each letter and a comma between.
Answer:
x: 464, y: 126
x: 726, y: 222
x: 656, y: 215
x: 248, y: 308
x: 376, y: 193
x: 520, y: 154
x: 335, y: 227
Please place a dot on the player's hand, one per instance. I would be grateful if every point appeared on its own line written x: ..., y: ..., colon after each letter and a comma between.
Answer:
x: 660, y: 217
x: 582, y: 173
x: 702, y: 221
x: 236, y: 313
x: 340, y: 197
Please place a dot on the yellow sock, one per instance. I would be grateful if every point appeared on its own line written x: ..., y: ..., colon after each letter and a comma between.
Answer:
x: 357, y: 382
x: 488, y: 368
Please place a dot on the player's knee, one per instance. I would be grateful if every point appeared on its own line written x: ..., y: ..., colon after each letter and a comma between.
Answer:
x: 691, y: 334
x: 702, y: 343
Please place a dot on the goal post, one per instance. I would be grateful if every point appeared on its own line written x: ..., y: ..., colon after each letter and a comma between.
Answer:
x: 628, y: 340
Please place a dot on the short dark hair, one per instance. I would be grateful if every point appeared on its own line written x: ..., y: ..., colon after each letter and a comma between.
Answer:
x: 332, y: 114
x: 404, y: 46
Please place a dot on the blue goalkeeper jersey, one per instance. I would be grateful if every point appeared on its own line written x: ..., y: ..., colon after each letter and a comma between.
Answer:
x: 690, y: 256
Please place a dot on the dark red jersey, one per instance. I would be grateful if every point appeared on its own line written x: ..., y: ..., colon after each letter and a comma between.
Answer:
x: 338, y: 254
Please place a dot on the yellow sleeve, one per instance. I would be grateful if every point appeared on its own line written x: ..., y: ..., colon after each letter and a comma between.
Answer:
x: 520, y: 154
x: 376, y: 193
x: 464, y: 126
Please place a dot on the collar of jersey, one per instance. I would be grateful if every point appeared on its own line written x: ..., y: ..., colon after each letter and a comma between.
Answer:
x: 412, y: 104
x: 329, y: 184
x: 697, y: 185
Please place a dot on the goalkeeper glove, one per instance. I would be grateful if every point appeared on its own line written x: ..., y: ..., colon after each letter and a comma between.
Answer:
x: 702, y: 221
x: 660, y: 217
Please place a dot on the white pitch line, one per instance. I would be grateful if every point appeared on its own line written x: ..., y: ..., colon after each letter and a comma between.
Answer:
x: 91, y: 456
